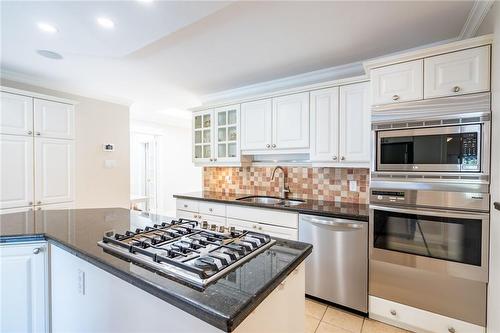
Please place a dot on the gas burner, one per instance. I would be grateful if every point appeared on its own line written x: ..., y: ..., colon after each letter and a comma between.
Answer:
x: 184, y: 250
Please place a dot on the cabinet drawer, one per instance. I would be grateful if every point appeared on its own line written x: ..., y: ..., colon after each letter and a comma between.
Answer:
x: 182, y: 214
x: 263, y: 215
x: 212, y: 208
x: 271, y: 230
x: 418, y: 320
x: 457, y: 73
x: 188, y: 205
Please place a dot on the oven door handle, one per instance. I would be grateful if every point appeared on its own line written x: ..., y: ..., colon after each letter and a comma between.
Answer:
x: 433, y: 212
x: 335, y: 224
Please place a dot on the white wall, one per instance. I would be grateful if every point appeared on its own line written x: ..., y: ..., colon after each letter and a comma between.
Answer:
x: 492, y: 24
x: 176, y: 171
x: 96, y: 122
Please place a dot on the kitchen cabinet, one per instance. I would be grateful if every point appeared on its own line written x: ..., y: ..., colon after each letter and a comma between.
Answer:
x: 24, y: 285
x: 256, y: 125
x: 203, y: 136
x: 54, y: 171
x: 340, y: 125
x: 16, y: 172
x: 212, y: 213
x: 401, y: 82
x: 457, y: 73
x: 355, y: 123
x: 227, y: 132
x: 16, y: 114
x: 53, y: 119
x: 291, y: 121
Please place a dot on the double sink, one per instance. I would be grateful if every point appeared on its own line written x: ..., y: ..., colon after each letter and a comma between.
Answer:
x: 274, y: 201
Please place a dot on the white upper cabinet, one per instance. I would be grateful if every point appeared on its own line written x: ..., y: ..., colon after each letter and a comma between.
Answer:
x: 203, y: 136
x: 54, y: 119
x: 397, y: 83
x: 256, y: 125
x: 54, y: 168
x: 291, y: 121
x: 457, y: 73
x: 16, y: 114
x: 325, y: 125
x: 24, y: 285
x: 16, y: 171
x: 355, y: 123
x: 227, y: 124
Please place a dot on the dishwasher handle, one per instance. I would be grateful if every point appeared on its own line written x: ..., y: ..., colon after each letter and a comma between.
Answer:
x: 333, y: 223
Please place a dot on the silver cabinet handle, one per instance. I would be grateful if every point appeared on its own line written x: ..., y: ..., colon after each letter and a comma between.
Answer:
x: 274, y: 146
x: 38, y: 133
x: 456, y: 89
x: 393, y: 312
x: 334, y: 158
x: 451, y: 330
x: 395, y: 97
x: 30, y: 132
x: 342, y: 158
x: 36, y: 250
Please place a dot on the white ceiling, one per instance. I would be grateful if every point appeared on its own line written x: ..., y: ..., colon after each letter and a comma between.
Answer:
x: 165, y: 55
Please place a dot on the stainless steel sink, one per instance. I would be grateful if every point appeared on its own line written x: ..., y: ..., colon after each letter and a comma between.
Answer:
x: 267, y: 200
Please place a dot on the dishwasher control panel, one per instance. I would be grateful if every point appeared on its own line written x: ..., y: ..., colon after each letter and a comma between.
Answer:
x: 387, y: 196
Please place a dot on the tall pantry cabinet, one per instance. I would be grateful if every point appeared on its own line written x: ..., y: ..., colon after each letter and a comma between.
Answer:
x: 37, y: 151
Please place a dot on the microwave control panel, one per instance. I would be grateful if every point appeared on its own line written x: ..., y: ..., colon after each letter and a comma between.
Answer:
x: 469, y: 151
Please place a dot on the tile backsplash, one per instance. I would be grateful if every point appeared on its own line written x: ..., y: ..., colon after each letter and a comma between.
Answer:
x: 332, y: 184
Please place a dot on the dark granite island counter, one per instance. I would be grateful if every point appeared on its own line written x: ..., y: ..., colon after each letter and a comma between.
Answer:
x: 224, y: 305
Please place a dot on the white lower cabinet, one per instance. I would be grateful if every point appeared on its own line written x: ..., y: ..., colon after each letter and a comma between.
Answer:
x: 86, y: 299
x: 417, y: 320
x: 24, y: 288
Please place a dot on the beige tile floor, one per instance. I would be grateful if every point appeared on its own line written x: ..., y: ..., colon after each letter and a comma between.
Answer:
x: 322, y: 318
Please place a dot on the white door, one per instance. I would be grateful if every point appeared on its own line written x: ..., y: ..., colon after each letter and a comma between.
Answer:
x: 16, y: 114
x: 291, y: 121
x: 227, y: 133
x: 203, y: 136
x: 54, y: 119
x: 397, y: 83
x: 54, y: 171
x: 256, y: 125
x: 23, y: 300
x: 457, y: 73
x: 16, y: 171
x: 355, y: 123
x: 325, y: 124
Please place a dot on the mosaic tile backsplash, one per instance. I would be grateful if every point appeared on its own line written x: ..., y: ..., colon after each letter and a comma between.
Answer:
x: 330, y: 184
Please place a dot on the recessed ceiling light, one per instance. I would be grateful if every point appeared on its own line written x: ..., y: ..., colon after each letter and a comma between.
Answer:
x: 46, y: 27
x: 105, y: 22
x: 49, y: 54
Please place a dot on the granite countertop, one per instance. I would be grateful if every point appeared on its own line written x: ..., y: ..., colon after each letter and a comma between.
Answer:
x: 337, y: 209
x: 223, y: 304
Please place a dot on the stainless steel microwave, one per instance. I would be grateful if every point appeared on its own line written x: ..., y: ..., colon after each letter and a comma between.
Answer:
x: 431, y: 149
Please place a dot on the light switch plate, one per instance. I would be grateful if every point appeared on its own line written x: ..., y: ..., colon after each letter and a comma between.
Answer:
x: 353, y: 185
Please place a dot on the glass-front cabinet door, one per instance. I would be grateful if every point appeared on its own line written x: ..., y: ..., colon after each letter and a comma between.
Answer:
x: 227, y: 141
x: 203, y: 136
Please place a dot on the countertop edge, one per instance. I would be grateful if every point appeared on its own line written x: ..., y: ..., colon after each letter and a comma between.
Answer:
x: 223, y: 323
x: 363, y: 218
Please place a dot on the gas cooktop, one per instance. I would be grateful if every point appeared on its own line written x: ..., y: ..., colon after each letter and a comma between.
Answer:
x: 189, y: 252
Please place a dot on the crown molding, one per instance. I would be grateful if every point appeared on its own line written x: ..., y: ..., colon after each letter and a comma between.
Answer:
x: 326, y: 74
x: 476, y: 16
x: 38, y: 82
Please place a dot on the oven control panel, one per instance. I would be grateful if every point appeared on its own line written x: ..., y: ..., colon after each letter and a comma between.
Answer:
x: 385, y: 196
x: 469, y: 151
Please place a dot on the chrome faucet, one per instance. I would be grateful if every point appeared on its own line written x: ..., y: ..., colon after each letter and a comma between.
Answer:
x: 284, y: 190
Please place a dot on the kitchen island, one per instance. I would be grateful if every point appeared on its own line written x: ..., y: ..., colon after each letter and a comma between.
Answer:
x: 92, y: 290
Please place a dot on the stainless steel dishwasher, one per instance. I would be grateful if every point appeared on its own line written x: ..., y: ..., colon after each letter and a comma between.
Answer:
x: 337, y: 269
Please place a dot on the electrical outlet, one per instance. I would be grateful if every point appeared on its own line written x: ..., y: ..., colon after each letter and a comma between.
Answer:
x: 81, y: 282
x: 353, y: 185
x: 228, y: 179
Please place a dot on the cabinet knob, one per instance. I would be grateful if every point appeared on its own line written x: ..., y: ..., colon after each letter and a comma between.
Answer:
x: 36, y: 250
x: 254, y: 226
x: 38, y: 202
x: 30, y: 132
x: 393, y: 312
x: 451, y: 330
x: 38, y: 133
x: 274, y: 146
x: 456, y: 89
x: 39, y: 208
x: 30, y: 203
x: 215, y: 159
x: 211, y: 160
x: 334, y: 158
x: 210, y: 210
x: 185, y: 206
x: 342, y: 158
x: 268, y: 146
x: 395, y: 97
x: 260, y: 228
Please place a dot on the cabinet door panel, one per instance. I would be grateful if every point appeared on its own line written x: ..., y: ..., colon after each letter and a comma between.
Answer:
x: 203, y: 136
x: 397, y: 83
x: 54, y: 171
x: 16, y: 171
x: 325, y: 124
x: 54, y: 119
x: 355, y: 123
x: 291, y: 121
x: 16, y: 114
x: 256, y: 125
x: 23, y: 282
x: 458, y: 73
x: 227, y: 134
